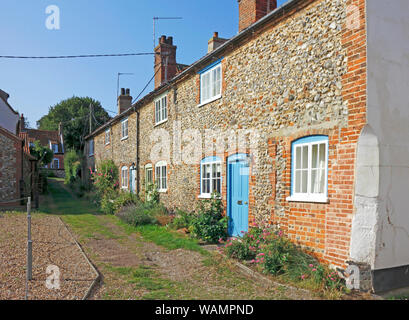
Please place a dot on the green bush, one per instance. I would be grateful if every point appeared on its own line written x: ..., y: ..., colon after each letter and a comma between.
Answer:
x: 137, y: 214
x: 277, y: 255
x: 210, y: 225
x: 182, y: 220
x: 107, y: 201
x: 124, y: 199
x: 152, y: 194
x: 105, y: 181
x: 72, y: 166
x: 239, y: 249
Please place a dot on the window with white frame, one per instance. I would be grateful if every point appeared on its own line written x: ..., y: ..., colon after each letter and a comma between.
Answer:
x: 161, y: 176
x: 107, y: 136
x: 91, y: 148
x: 54, y: 147
x: 309, y: 170
x: 124, y: 177
x: 210, y: 176
x: 211, y: 84
x: 161, y: 109
x: 55, y: 164
x: 148, y: 174
x: 124, y: 129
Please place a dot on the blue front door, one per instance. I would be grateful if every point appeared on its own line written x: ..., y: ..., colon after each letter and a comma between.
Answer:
x: 238, y: 194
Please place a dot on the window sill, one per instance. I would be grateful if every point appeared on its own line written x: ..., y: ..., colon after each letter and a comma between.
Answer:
x: 160, y: 122
x: 210, y: 101
x: 308, y: 198
x: 207, y: 196
x: 124, y: 138
x: 163, y: 190
x: 90, y: 155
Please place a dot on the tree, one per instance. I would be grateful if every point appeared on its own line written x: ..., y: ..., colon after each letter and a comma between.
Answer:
x: 74, y: 114
x: 43, y: 154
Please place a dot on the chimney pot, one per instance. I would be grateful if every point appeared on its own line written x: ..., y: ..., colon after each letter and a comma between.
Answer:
x: 127, y: 92
x: 122, y: 91
x: 215, y: 34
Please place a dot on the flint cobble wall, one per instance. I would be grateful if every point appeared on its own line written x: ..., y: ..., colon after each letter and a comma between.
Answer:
x: 10, y: 168
x: 302, y: 76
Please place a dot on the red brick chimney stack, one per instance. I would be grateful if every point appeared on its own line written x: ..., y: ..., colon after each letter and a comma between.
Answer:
x: 250, y: 11
x: 124, y: 100
x: 165, y: 61
x: 22, y: 126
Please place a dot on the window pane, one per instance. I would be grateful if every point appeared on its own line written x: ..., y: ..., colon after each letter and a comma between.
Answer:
x: 305, y: 157
x: 298, y: 181
x: 164, y: 182
x: 314, y: 155
x: 304, y: 183
x: 314, y: 181
x: 218, y: 80
x: 322, y: 155
x: 298, y: 157
x: 214, y: 79
x: 322, y: 181
x: 157, y: 177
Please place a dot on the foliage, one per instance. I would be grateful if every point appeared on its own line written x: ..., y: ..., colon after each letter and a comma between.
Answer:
x: 182, y: 220
x: 105, y: 181
x: 134, y: 216
x: 275, y: 254
x: 239, y: 250
x: 124, y: 199
x: 74, y: 114
x: 210, y: 225
x: 72, y: 166
x: 43, y: 154
x: 140, y: 213
x: 152, y: 194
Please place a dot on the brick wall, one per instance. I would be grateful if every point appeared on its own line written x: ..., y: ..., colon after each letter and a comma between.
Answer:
x: 10, y: 168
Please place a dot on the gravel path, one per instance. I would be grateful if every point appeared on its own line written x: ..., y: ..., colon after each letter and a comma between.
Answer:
x: 52, y: 245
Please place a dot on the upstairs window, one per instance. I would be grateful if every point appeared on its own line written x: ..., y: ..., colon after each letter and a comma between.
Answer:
x: 107, y: 136
x: 54, y: 147
x: 91, y: 148
x: 124, y: 129
x: 161, y: 176
x: 210, y: 176
x: 161, y: 109
x: 211, y: 83
x: 309, y: 172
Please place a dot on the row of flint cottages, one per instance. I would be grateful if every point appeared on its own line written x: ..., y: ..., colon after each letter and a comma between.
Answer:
x: 300, y: 120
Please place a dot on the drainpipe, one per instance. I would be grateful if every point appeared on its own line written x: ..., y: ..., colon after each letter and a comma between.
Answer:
x: 137, y: 152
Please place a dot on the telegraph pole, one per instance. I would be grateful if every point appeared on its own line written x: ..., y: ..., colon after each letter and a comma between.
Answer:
x: 90, y: 118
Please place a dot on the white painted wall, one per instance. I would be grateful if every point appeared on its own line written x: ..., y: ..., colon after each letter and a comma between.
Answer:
x: 8, y: 119
x: 388, y: 116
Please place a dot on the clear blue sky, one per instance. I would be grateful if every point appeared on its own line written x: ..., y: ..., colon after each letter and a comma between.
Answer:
x: 98, y: 27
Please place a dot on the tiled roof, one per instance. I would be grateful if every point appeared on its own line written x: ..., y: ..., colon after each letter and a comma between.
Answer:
x: 44, y: 136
